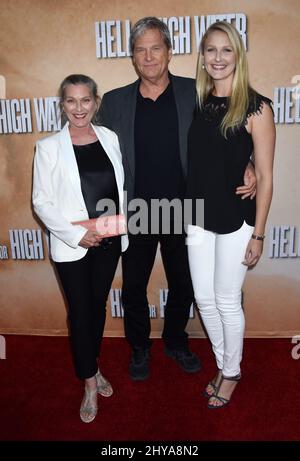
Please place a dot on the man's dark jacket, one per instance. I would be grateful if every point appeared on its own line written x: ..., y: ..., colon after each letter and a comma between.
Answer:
x: 117, y: 112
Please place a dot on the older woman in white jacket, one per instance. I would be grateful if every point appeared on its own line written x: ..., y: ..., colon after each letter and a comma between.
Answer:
x: 73, y: 170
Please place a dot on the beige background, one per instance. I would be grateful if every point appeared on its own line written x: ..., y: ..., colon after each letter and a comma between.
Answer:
x: 41, y: 43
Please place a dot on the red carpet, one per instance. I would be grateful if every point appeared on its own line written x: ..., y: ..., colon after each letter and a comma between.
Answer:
x: 40, y: 397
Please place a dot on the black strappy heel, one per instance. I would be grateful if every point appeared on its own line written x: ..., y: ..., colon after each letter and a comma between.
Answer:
x: 218, y: 397
x: 214, y: 384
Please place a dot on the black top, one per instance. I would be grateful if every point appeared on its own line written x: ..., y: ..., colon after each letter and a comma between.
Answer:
x: 97, y: 177
x: 158, y: 169
x: 217, y: 166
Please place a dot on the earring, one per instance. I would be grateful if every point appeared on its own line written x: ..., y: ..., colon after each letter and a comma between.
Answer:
x: 203, y: 66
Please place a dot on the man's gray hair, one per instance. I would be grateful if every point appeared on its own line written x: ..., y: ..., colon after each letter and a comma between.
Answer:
x: 149, y: 22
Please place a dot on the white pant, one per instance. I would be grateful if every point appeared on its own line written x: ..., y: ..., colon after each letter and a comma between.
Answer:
x: 218, y: 274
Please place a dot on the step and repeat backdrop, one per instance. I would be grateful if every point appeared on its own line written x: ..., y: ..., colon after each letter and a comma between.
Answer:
x: 42, y: 41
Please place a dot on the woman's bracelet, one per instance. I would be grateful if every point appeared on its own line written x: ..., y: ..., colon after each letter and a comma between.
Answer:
x: 257, y: 237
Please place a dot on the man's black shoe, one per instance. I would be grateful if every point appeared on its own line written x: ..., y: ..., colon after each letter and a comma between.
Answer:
x: 139, y: 367
x: 187, y: 360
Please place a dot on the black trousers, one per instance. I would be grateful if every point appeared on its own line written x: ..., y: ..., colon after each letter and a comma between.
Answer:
x: 137, y: 264
x: 86, y: 284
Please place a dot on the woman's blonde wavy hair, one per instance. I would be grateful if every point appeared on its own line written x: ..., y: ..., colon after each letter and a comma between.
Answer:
x: 241, y: 90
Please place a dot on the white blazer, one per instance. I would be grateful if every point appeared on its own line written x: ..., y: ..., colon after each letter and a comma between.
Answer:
x: 57, y: 197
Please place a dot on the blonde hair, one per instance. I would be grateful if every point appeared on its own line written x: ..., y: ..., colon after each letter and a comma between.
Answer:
x: 241, y: 90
